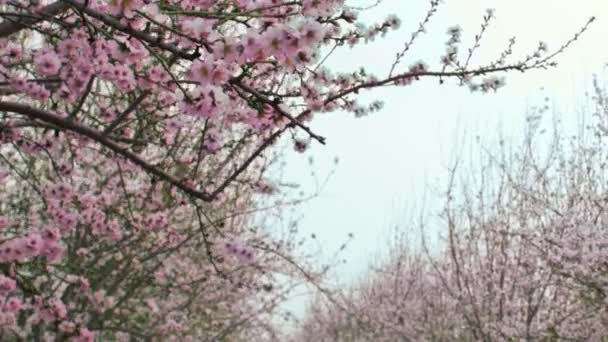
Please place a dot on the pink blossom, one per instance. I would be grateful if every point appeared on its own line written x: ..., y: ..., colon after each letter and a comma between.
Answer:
x: 5, y: 222
x: 34, y: 244
x: 84, y: 284
x: 7, y: 285
x: 202, y: 72
x: 47, y: 63
x: 311, y: 32
x: 85, y: 336
x: 50, y: 234
x: 54, y: 309
x: 53, y: 251
x: 151, y: 303
x: 12, y: 51
x: 300, y: 145
x: 13, y: 305
x: 7, y: 318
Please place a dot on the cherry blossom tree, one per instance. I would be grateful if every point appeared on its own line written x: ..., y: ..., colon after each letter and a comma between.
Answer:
x: 136, y: 141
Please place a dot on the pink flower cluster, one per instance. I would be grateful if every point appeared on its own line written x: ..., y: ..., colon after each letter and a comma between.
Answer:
x: 85, y: 335
x: 7, y: 285
x: 242, y: 253
x: 47, y: 63
x: 43, y: 243
x: 51, y: 310
x: 291, y: 47
x: 10, y: 306
x: 265, y: 187
x: 35, y: 90
x: 155, y: 221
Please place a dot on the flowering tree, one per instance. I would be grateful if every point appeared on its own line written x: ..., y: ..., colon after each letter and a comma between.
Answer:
x: 523, y: 256
x: 135, y: 141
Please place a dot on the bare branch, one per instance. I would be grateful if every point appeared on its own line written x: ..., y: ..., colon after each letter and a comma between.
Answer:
x: 13, y: 25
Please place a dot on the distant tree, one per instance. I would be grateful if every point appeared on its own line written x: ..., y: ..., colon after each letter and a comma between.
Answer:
x: 523, y: 252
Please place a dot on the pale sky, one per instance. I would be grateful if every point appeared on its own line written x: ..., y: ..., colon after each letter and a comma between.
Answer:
x: 387, y: 158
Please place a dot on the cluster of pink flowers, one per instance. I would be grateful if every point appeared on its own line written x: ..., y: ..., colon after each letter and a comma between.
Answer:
x: 45, y: 243
x: 155, y: 221
x: 265, y: 187
x: 300, y: 145
x: 85, y: 335
x: 7, y: 285
x: 47, y: 63
x: 34, y: 90
x: 51, y: 310
x: 10, y: 306
x: 242, y: 253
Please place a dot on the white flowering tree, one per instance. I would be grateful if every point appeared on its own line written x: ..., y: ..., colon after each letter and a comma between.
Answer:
x: 522, y: 256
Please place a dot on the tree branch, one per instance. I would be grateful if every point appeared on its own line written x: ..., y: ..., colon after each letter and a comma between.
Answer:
x: 99, y: 137
x: 279, y: 110
x: 127, y: 29
x: 12, y: 26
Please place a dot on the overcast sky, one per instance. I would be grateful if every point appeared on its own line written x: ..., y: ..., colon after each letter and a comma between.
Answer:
x: 387, y: 158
